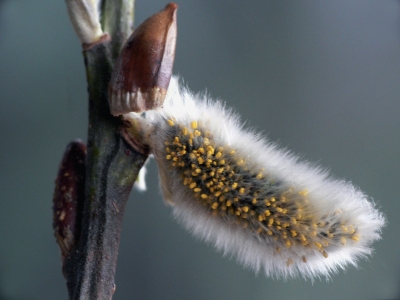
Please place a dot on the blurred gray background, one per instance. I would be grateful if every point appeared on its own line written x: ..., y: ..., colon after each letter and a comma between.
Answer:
x: 321, y: 78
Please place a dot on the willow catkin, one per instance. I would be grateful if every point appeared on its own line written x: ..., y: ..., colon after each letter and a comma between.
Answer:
x: 251, y: 200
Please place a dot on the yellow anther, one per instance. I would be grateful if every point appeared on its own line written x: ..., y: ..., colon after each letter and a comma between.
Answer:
x: 293, y: 220
x: 204, y: 196
x: 176, y: 139
x: 185, y: 181
x: 240, y: 162
x: 236, y: 199
x: 241, y: 190
x: 198, y: 171
x: 197, y: 133
x: 228, y: 203
x: 261, y: 218
x: 196, y: 190
x: 259, y: 229
x: 303, y: 192
x: 232, y: 152
x: 267, y: 213
x: 234, y: 185
x: 185, y: 131
x: 201, y: 150
x: 270, y: 221
x: 183, y: 152
x: 259, y: 176
x: 245, y: 208
x: 222, y: 161
x: 217, y: 194
x: 190, y: 142
x: 226, y: 190
x: 175, y: 158
x: 319, y: 245
x: 218, y: 155
x: 279, y: 228
x: 254, y: 201
x: 220, y: 170
x: 273, y: 199
x: 168, y: 157
x: 343, y: 241
x: 171, y: 123
x: 284, y: 210
x: 222, y: 198
x: 192, y: 185
x: 269, y: 232
x: 206, y: 141
x: 214, y: 205
x: 192, y: 155
x: 212, y: 173
x: 200, y: 160
x: 167, y: 150
x: 193, y: 124
x: 288, y: 243
x: 303, y: 238
x: 355, y: 238
x: 294, y: 233
x: 278, y: 209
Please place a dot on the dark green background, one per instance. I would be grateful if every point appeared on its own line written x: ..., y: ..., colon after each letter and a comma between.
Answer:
x: 320, y: 77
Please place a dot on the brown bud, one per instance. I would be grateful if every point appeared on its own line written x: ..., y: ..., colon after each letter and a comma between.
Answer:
x: 144, y: 67
x: 69, y: 196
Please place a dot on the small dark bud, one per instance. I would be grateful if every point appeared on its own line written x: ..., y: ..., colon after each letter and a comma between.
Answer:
x: 144, y: 67
x: 69, y: 196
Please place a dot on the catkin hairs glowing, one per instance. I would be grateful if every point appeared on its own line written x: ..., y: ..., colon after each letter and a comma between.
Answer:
x: 251, y: 200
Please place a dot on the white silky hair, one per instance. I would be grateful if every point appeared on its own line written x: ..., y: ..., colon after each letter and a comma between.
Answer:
x: 332, y: 201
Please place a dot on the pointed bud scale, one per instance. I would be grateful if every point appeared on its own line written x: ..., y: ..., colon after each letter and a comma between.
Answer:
x: 143, y: 70
x: 69, y: 195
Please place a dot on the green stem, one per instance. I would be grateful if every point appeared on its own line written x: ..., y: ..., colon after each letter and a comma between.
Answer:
x: 111, y: 169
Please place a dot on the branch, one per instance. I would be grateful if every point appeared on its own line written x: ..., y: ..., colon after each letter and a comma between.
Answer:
x: 111, y: 166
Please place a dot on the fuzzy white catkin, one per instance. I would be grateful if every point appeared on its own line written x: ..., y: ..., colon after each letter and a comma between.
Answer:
x: 251, y: 200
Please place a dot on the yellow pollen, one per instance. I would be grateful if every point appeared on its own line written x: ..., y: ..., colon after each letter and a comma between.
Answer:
x: 343, y: 241
x: 294, y: 233
x: 212, y: 174
x: 259, y: 176
x: 192, y: 185
x: 234, y: 185
x: 288, y: 243
x: 245, y: 208
x: 197, y: 133
x: 185, y: 131
x: 198, y: 171
x: 218, y: 155
x: 270, y: 221
x: 176, y: 139
x: 214, y: 205
x: 196, y: 190
x: 259, y: 230
x: 167, y: 150
x: 267, y: 213
x: 278, y: 209
x: 240, y: 162
x: 171, y: 123
x: 294, y: 221
x: 168, y: 157
x: 319, y: 245
x: 355, y: 238
x: 200, y: 160
x: 206, y: 141
x: 254, y: 201
x: 269, y: 232
x: 241, y: 190
x: 190, y: 142
x: 217, y: 194
x: 175, y: 158
x: 228, y: 203
x: 273, y: 199
x: 303, y: 192
x: 222, y: 161
x: 201, y: 150
x: 232, y: 152
x: 204, y: 196
x: 220, y: 170
x: 193, y: 124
